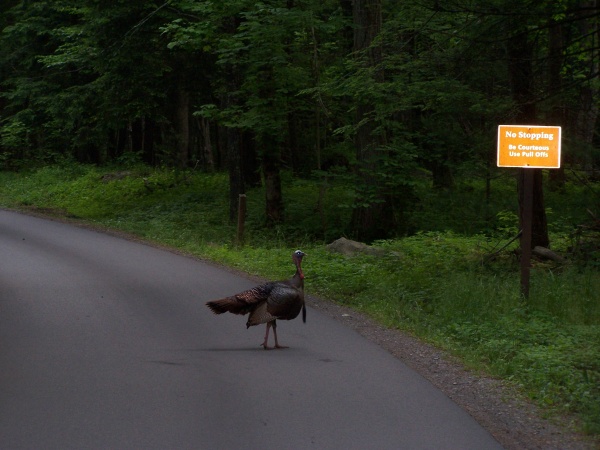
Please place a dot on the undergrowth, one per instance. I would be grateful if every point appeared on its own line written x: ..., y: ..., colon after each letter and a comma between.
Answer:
x: 438, y: 284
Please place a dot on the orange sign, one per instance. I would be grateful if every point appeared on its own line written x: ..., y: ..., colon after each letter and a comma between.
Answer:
x: 529, y: 146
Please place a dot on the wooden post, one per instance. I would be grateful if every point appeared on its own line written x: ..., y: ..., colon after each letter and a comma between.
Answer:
x: 241, y: 219
x: 526, y: 234
x: 528, y: 147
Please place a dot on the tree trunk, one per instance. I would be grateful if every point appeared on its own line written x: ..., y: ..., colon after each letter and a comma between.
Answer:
x: 233, y: 135
x: 367, y: 19
x: 442, y: 175
x: 269, y: 140
x: 520, y: 66
x: 129, y: 136
x: 539, y: 225
x: 207, y: 151
x: 372, y: 218
x: 234, y: 166
x: 297, y: 158
x: 250, y: 160
x: 556, y: 115
x: 148, y: 145
x: 183, y: 127
x: 233, y: 147
x: 587, y: 115
x: 271, y: 162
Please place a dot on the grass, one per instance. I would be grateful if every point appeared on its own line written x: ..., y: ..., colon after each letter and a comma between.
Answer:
x: 433, y: 284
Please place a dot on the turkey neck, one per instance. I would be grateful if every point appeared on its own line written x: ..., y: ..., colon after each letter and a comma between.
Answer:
x: 298, y: 278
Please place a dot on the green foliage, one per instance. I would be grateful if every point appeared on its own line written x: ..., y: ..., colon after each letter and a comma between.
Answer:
x: 271, y: 63
x: 82, y: 73
x: 14, y: 136
x: 87, y: 70
x: 556, y: 364
x: 466, y: 209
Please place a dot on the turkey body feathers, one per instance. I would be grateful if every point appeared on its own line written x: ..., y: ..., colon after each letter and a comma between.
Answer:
x: 268, y: 302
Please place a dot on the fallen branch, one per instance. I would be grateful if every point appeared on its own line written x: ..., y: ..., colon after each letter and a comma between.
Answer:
x: 497, y: 252
x: 546, y: 253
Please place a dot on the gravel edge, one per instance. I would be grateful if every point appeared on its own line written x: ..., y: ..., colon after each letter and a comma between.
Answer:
x: 515, y: 422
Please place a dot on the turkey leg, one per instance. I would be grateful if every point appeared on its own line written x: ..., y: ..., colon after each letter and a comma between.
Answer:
x: 264, y: 344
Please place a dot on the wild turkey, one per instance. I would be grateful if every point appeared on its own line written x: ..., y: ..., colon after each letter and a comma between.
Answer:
x: 268, y: 302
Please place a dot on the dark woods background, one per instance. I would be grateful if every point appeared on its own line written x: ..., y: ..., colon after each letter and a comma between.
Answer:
x: 380, y: 92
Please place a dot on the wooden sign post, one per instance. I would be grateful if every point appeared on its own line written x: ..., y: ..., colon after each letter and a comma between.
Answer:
x: 528, y: 147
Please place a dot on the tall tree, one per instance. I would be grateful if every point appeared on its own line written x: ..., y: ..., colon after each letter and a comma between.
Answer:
x: 372, y: 216
x: 235, y: 161
x: 585, y: 59
x: 520, y: 63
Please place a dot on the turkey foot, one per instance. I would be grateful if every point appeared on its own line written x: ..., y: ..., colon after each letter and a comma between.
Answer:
x: 266, y: 347
x: 265, y: 343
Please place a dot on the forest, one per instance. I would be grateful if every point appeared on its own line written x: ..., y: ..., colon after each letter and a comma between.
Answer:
x: 382, y: 93
x: 375, y: 120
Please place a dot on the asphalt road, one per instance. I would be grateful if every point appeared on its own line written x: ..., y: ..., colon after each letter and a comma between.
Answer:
x: 106, y: 343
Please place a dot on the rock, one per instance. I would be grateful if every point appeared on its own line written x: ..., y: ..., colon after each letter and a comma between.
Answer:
x: 348, y: 247
x: 114, y: 176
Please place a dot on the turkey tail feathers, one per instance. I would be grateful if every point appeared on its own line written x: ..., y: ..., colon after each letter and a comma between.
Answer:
x: 219, y: 306
x: 233, y: 305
